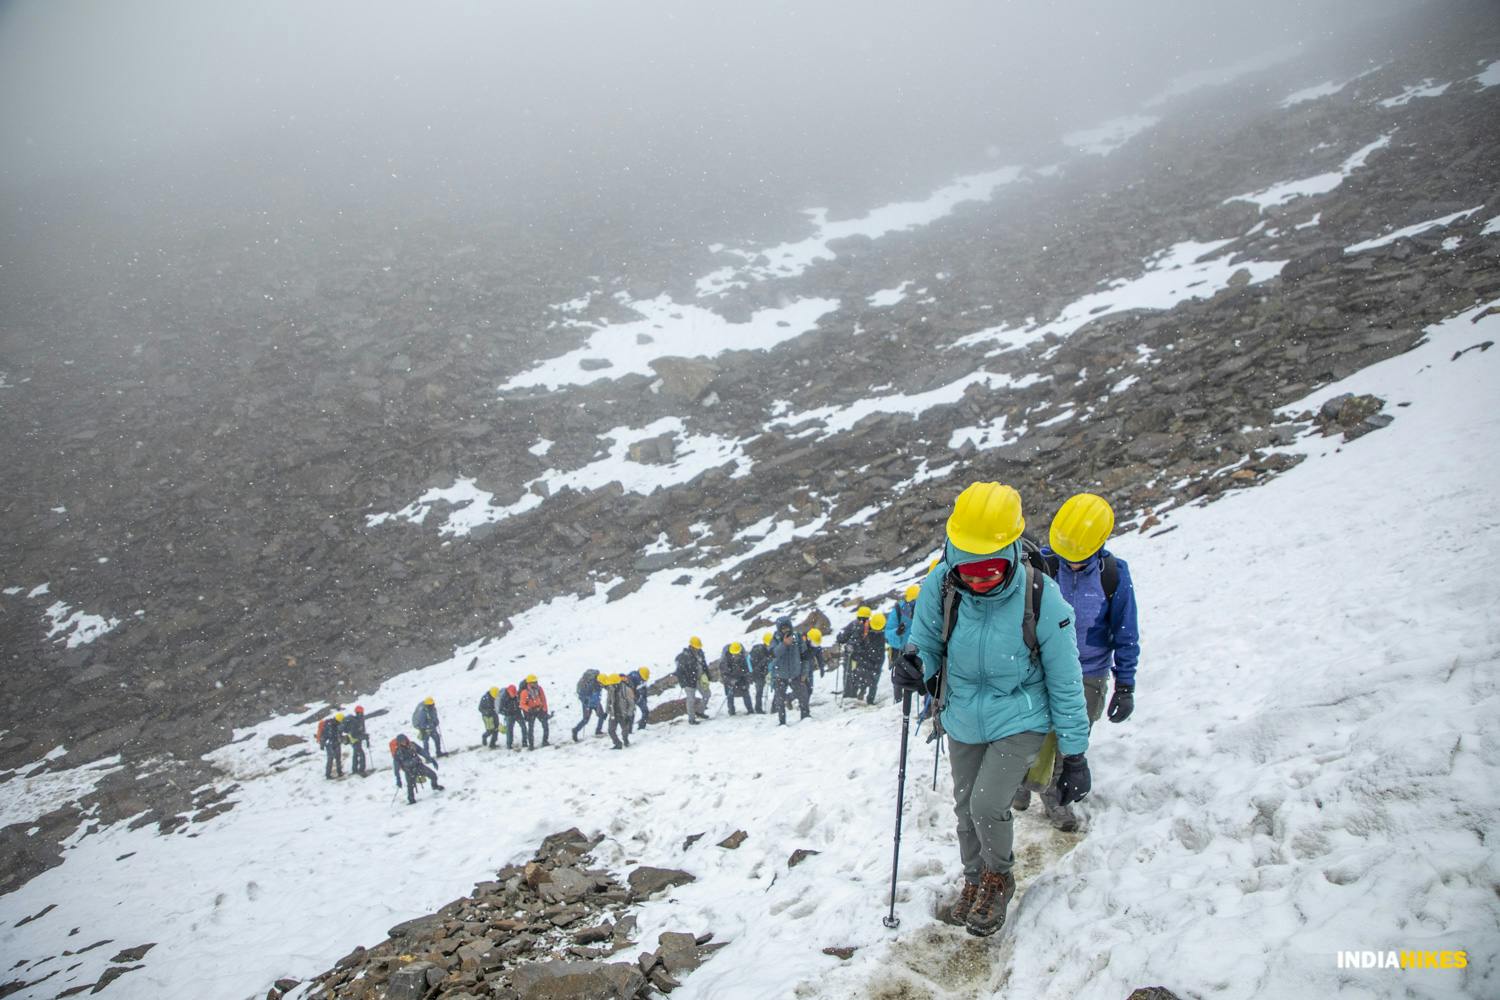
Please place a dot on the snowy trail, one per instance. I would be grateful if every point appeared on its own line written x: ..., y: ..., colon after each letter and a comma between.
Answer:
x: 1312, y: 768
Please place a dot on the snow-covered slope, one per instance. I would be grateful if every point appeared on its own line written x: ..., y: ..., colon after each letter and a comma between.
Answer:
x: 1312, y: 768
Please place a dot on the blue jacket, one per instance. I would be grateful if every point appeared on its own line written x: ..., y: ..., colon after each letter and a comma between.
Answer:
x: 994, y: 688
x: 1108, y: 638
x: 898, y: 624
x: 425, y: 717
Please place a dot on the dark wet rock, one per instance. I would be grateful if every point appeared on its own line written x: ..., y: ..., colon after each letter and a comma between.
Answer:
x: 646, y: 881
x: 800, y: 855
x: 845, y: 952
x: 734, y: 840
x: 133, y: 954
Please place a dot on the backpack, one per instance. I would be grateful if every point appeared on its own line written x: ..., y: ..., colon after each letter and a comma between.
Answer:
x: 1109, y: 574
x: 588, y: 684
x: 417, y: 718
x: 322, y: 725
x: 394, y: 745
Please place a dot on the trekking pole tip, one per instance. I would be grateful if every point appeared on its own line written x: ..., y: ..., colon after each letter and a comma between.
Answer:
x: 891, y: 921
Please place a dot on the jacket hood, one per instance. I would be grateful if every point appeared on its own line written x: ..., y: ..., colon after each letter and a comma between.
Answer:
x: 953, y: 556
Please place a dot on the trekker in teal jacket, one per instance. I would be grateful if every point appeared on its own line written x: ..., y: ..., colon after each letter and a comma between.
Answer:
x: 998, y: 702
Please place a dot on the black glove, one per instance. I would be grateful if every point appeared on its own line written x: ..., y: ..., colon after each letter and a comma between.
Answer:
x: 1121, y: 703
x: 906, y: 672
x: 1074, y: 783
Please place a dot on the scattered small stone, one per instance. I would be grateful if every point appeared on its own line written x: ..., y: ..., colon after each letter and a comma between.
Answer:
x: 844, y: 952
x: 734, y: 840
x: 800, y: 855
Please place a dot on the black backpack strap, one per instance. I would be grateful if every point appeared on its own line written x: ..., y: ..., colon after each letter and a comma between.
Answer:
x: 1109, y: 576
x: 1050, y: 565
x: 1034, y: 586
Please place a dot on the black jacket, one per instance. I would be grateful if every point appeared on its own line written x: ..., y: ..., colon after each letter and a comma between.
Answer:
x: 331, y: 730
x: 353, y: 727
x: 410, y: 755
x: 735, y: 670
x: 691, y: 664
x: 866, y: 645
x: 510, y: 705
x: 760, y: 661
x: 487, y: 704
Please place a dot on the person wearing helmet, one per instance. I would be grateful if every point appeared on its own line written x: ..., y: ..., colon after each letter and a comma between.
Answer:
x: 864, y: 654
x: 330, y: 738
x: 992, y: 638
x: 1097, y: 586
x: 637, y: 680
x: 898, y: 622
x: 533, y: 710
x: 734, y: 671
x: 812, y: 653
x: 789, y: 662
x: 353, y: 728
x: 692, y: 665
x: 425, y: 721
x: 590, y: 694
x: 489, y: 714
x: 406, y: 759
x: 510, y: 711
x: 619, y: 697
x: 868, y: 652
x: 760, y: 665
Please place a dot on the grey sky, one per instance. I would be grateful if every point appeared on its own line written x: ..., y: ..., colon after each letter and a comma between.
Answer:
x: 477, y: 103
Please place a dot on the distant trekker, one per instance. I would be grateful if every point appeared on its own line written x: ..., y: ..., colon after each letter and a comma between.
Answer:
x: 760, y: 667
x: 691, y: 666
x: 425, y: 720
x: 354, y: 731
x: 406, y: 759
x: 331, y: 740
x: 510, y: 711
x: 489, y: 714
x: 533, y: 710
x: 637, y: 680
x: 620, y: 699
x: 589, y: 692
x: 734, y: 670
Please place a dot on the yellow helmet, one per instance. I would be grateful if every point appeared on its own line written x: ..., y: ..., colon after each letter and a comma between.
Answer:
x: 428, y: 701
x: 877, y: 622
x: 695, y: 642
x: 986, y: 518
x: 494, y: 692
x: 736, y: 648
x: 1081, y: 527
x: 645, y: 673
x: 815, y: 636
x: 608, y: 680
x: 338, y: 716
x: 766, y: 638
x: 531, y: 678
x: 913, y: 591
x: 863, y: 612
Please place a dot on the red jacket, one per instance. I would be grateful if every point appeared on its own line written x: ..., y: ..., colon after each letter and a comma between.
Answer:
x: 533, y: 700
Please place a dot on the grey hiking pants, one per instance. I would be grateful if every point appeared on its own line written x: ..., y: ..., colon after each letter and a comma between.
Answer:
x: 985, y: 779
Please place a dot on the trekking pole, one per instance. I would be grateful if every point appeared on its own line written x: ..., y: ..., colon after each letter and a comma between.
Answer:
x: 891, y: 920
x: 937, y: 751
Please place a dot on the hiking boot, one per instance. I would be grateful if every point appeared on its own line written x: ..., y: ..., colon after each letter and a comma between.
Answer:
x: 575, y: 736
x: 988, y: 913
x: 1022, y: 800
x: 965, y: 902
x: 1062, y: 817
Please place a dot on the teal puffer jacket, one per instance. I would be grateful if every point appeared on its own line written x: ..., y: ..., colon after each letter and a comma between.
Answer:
x: 994, y: 689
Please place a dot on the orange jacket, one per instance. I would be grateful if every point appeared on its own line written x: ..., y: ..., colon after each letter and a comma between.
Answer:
x: 533, y: 699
